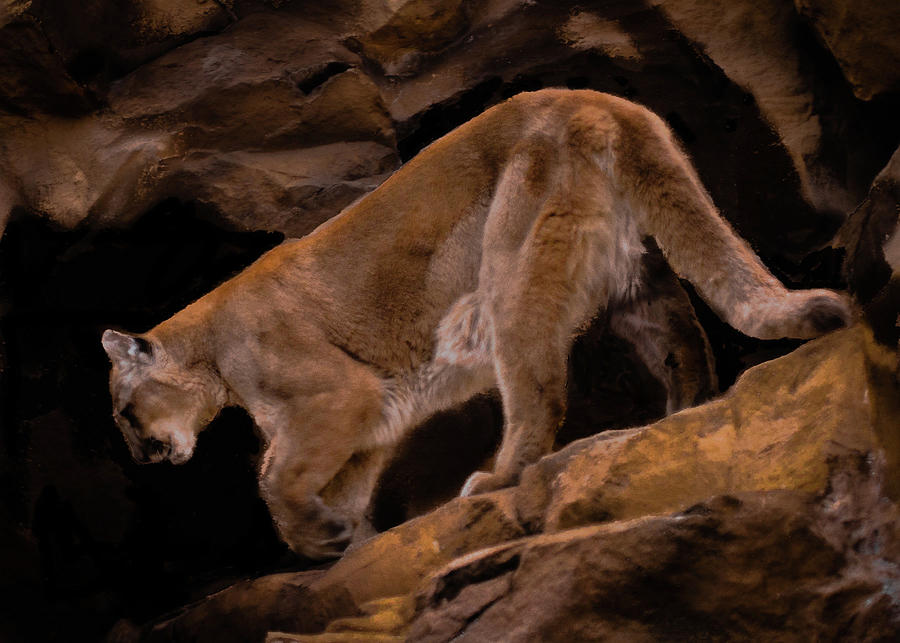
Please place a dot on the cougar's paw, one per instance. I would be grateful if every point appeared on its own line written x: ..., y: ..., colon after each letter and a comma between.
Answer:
x: 321, y: 536
x: 483, y: 482
x: 326, y: 547
x: 336, y: 536
x: 826, y: 311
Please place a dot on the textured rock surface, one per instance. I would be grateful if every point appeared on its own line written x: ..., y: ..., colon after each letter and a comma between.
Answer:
x: 872, y: 239
x: 213, y: 79
x: 267, y: 125
x: 393, y: 563
x: 758, y: 566
x: 774, y: 74
x: 245, y: 612
x: 862, y: 37
x: 784, y: 425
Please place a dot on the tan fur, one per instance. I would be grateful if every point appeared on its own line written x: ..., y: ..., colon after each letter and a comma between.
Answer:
x: 472, y: 267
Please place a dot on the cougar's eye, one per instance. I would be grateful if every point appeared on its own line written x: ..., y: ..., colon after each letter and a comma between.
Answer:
x: 130, y: 417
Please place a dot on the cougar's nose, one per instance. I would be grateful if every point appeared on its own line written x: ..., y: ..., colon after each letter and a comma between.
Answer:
x: 154, y: 447
x: 139, y: 456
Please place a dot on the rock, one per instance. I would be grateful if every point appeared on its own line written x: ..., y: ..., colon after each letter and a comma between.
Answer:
x: 871, y: 237
x: 776, y: 73
x: 299, y: 79
x: 84, y: 45
x: 246, y: 611
x: 755, y: 566
x: 389, y: 565
x: 394, y: 563
x: 268, y: 133
x: 383, y: 621
x: 100, y: 40
x: 291, y: 191
x: 862, y: 37
x: 274, y: 133
x: 786, y: 424
x: 92, y: 168
x: 417, y: 29
x: 587, y: 31
x: 271, y: 81
x: 33, y: 78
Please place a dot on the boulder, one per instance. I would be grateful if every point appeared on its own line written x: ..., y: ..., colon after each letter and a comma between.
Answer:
x: 862, y: 38
x: 100, y: 40
x: 80, y: 47
x: 417, y: 28
x: 871, y: 237
x: 774, y: 73
x: 33, y: 78
x: 268, y: 133
x: 247, y: 610
x: 389, y: 565
x: 752, y: 566
x: 287, y: 78
x: 786, y: 424
x: 89, y: 169
x: 291, y: 191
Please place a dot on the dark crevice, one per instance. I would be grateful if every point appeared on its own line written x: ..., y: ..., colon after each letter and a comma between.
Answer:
x: 321, y: 75
x: 474, y: 616
x: 453, y: 582
x: 858, y: 137
x: 442, y: 118
x: 431, y: 463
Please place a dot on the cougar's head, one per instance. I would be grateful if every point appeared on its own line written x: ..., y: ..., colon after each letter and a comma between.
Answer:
x: 159, y: 404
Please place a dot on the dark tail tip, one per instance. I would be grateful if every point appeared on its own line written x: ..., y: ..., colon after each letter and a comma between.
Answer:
x: 827, y: 313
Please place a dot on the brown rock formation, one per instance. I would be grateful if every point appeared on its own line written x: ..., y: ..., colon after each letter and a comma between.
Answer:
x: 871, y: 236
x: 757, y: 566
x: 211, y: 79
x: 777, y: 428
x: 863, y: 38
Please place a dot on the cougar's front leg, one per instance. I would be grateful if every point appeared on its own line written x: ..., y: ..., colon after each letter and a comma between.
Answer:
x: 322, y: 433
x: 296, y: 470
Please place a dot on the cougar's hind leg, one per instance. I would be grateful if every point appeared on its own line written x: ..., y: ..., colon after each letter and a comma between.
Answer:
x: 531, y: 372
x: 538, y: 297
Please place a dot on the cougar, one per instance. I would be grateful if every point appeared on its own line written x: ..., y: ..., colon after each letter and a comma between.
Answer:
x: 471, y: 268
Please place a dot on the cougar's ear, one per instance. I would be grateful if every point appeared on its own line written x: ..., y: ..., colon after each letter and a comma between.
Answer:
x: 122, y: 347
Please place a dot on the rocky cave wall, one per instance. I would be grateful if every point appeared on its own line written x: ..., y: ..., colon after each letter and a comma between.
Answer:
x: 149, y: 149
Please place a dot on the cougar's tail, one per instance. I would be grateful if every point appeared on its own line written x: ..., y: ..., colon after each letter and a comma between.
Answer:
x: 662, y: 185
